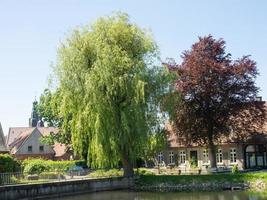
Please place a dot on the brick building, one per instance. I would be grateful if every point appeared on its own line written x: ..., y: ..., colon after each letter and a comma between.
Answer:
x: 250, y: 152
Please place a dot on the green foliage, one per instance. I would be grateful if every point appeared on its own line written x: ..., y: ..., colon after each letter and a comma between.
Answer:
x: 37, y: 166
x: 144, y: 171
x: 193, y: 162
x: 156, y: 143
x: 14, y: 180
x: 60, y: 137
x: 106, y: 173
x: 51, y: 175
x: 214, y: 178
x: 109, y: 90
x: 235, y: 169
x: 8, y: 163
x: 48, y: 108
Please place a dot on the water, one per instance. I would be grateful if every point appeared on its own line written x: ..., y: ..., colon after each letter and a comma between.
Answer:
x: 128, y: 195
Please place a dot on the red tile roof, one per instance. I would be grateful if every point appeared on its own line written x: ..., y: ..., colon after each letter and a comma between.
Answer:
x: 17, y: 135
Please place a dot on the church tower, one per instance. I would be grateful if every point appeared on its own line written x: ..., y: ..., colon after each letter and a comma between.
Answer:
x: 3, y: 148
x: 33, y: 121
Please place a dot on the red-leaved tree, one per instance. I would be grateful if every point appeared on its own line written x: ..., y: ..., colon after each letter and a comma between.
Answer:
x: 217, y: 95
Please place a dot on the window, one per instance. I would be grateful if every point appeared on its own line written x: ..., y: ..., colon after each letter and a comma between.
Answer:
x: 219, y: 156
x: 232, y: 155
x: 160, y: 157
x: 171, y: 157
x: 41, y: 148
x: 206, y: 156
x: 182, y: 156
x: 29, y: 148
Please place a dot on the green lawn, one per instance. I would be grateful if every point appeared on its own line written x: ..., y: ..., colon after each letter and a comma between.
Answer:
x: 187, y: 179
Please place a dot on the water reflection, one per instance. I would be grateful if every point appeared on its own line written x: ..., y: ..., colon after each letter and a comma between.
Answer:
x: 126, y: 195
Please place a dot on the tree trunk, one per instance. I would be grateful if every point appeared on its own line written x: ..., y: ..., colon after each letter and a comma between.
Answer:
x: 145, y: 163
x: 212, y: 150
x: 212, y: 147
x: 127, y: 166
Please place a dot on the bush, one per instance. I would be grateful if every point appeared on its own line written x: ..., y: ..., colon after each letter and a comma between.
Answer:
x: 106, y: 173
x: 144, y: 171
x: 14, y: 180
x: 8, y: 163
x: 40, y: 165
x: 235, y: 169
x: 36, y: 167
x: 51, y: 175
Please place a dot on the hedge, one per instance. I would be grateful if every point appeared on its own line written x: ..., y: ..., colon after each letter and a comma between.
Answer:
x: 106, y: 173
x: 37, y: 166
x: 8, y: 164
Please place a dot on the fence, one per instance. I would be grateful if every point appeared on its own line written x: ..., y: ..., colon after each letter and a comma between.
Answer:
x: 10, y: 178
x: 48, y: 176
x: 51, y: 176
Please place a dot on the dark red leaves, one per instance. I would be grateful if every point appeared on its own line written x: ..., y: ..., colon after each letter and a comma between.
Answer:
x: 215, y: 90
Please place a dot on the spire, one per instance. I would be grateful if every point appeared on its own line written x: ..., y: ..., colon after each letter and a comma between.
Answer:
x: 3, y: 148
x: 34, y: 116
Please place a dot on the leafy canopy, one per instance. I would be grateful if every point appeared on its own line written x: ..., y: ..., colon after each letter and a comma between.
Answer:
x: 217, y: 95
x: 110, y: 90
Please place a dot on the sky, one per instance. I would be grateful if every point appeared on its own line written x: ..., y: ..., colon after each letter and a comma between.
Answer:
x: 31, y: 31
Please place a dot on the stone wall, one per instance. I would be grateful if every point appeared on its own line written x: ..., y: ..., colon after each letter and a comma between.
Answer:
x: 58, y: 189
x: 210, y: 186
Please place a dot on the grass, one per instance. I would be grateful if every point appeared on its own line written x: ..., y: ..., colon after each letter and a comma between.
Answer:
x: 105, y: 173
x: 216, y: 178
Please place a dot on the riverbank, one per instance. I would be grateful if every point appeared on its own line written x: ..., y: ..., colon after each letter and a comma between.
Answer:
x: 54, y: 190
x: 256, y: 181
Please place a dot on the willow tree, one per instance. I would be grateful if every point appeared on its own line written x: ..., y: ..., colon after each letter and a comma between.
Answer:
x: 108, y: 86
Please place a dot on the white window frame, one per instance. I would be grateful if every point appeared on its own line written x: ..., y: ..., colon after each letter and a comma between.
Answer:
x: 206, y: 159
x: 171, y: 157
x: 219, y: 156
x: 182, y: 157
x: 160, y: 157
x: 233, y: 156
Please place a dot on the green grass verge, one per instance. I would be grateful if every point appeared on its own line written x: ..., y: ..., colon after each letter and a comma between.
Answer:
x: 216, y: 178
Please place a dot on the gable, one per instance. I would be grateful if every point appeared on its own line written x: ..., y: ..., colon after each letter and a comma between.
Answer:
x: 33, y: 140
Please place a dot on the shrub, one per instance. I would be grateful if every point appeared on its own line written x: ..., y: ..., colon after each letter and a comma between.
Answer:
x: 144, y: 171
x: 235, y: 169
x: 8, y: 163
x: 14, y: 180
x: 36, y: 167
x: 106, y: 173
x: 51, y: 175
x: 40, y: 165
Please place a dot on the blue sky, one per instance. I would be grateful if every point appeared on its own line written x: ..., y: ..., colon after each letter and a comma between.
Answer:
x: 32, y: 30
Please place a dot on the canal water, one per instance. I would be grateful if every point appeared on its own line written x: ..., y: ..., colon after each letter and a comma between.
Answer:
x: 128, y: 195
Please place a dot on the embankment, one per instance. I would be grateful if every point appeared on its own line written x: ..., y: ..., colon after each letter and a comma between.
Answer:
x: 58, y: 189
